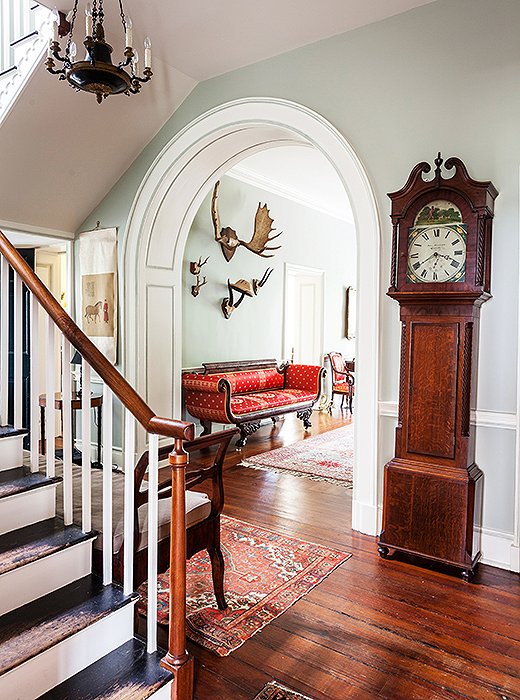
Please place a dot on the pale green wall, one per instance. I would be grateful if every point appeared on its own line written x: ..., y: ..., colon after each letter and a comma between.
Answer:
x: 310, y: 238
x: 446, y: 77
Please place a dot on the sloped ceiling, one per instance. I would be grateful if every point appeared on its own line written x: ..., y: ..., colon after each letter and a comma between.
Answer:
x: 61, y: 152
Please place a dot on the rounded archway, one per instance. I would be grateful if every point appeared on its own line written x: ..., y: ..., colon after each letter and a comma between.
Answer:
x: 156, y: 233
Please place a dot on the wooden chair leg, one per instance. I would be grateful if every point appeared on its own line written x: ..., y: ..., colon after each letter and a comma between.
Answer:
x: 217, y: 573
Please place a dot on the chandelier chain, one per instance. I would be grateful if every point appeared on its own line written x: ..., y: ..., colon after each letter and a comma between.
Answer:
x: 101, y: 12
x: 72, y: 21
x: 94, y: 13
x: 122, y: 12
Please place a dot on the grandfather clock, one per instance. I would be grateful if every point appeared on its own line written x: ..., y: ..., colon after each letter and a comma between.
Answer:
x: 440, y: 275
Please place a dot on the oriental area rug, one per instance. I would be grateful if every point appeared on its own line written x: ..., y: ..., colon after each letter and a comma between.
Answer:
x: 265, y: 573
x: 325, y: 457
x: 277, y: 691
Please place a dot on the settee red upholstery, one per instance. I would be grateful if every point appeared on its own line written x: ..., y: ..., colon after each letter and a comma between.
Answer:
x: 245, y: 396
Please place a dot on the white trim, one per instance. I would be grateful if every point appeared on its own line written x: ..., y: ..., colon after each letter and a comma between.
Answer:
x: 496, y: 548
x: 238, y: 172
x: 180, y: 178
x: 11, y: 452
x: 480, y: 418
x: 20, y: 227
x: 516, y: 516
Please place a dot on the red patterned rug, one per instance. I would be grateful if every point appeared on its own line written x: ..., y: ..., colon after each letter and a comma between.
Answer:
x: 325, y: 457
x: 266, y: 573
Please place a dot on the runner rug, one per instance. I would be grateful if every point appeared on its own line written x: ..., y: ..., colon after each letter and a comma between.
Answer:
x: 265, y: 573
x: 325, y: 457
x: 277, y: 691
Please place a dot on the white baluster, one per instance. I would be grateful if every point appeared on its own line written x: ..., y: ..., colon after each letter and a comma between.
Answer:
x: 153, y: 524
x: 4, y: 343
x: 18, y: 350
x: 86, y: 479
x: 50, y: 391
x: 107, y: 485
x: 66, y: 396
x: 35, y: 383
x: 128, y: 578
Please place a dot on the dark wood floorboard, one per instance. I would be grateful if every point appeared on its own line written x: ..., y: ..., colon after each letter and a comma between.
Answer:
x: 373, y: 628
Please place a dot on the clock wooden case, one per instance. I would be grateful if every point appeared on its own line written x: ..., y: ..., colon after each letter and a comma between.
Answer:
x: 440, y: 275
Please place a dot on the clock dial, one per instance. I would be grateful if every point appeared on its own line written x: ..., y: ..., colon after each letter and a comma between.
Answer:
x: 437, y: 253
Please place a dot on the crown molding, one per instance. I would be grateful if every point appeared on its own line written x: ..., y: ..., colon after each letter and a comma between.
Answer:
x: 249, y: 177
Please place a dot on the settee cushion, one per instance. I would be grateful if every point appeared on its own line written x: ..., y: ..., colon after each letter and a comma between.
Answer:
x: 263, y: 400
x: 239, y: 382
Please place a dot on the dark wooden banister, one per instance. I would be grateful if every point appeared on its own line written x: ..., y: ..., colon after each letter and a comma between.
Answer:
x: 127, y: 395
x: 177, y: 660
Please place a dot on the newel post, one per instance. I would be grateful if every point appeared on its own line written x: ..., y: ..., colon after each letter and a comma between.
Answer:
x: 177, y: 660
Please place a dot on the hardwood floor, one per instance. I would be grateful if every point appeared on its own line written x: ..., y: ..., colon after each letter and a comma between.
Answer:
x: 373, y: 628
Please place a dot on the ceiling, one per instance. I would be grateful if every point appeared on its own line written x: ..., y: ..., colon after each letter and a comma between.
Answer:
x: 67, y: 151
x: 299, y: 173
x: 203, y: 39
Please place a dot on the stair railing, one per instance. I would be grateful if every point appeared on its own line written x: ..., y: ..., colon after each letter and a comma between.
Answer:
x: 60, y: 329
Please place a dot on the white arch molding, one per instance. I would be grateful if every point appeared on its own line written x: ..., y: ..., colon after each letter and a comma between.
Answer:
x: 158, y: 226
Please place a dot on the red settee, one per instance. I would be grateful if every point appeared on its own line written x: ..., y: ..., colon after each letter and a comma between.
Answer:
x: 243, y: 393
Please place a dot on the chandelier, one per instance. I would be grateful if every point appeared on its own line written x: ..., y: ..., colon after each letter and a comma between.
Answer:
x: 96, y: 73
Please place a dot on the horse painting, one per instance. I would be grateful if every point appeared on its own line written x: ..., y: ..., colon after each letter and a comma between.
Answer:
x: 92, y: 312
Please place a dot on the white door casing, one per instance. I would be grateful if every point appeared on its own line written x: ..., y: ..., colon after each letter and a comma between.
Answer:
x: 158, y: 226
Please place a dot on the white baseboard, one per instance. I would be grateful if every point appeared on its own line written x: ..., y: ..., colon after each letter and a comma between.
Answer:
x: 365, y: 518
x: 497, y: 549
x: 515, y: 558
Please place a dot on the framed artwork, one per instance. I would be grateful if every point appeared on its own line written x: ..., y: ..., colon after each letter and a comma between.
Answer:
x: 350, y: 313
x: 99, y: 306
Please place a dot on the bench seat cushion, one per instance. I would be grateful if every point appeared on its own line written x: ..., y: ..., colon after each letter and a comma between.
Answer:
x: 263, y: 400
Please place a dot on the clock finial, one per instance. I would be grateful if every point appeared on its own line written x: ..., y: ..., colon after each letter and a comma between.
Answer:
x: 438, y: 162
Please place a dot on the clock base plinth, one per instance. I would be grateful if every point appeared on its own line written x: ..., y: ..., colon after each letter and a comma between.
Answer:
x: 432, y: 512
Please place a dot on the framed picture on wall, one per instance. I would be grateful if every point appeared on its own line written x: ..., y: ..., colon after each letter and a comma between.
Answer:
x: 350, y: 313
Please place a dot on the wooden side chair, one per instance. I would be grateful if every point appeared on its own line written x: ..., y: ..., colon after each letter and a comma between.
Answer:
x: 342, y: 380
x: 203, y: 510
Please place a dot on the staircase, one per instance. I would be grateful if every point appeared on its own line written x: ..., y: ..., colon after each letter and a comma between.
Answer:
x: 66, y: 632
x: 24, y: 37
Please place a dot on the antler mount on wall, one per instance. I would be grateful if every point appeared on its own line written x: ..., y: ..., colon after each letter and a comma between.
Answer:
x: 228, y: 238
x: 244, y: 288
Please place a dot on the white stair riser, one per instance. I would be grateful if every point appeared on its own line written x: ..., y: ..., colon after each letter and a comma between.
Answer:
x: 27, y: 508
x: 26, y: 583
x: 11, y: 452
x: 163, y: 693
x: 53, y: 666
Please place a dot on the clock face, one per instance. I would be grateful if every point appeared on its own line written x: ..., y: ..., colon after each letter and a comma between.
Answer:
x: 436, y: 253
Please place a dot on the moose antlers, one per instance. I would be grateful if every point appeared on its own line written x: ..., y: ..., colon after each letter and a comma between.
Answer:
x: 228, y: 239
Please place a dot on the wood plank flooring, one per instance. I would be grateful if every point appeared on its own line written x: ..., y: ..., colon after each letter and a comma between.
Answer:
x: 373, y: 628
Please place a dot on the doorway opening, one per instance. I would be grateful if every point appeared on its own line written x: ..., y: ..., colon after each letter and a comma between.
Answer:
x: 157, y: 230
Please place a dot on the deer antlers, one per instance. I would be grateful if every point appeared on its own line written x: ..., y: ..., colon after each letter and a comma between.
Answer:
x: 195, y: 267
x: 228, y: 239
x: 195, y: 289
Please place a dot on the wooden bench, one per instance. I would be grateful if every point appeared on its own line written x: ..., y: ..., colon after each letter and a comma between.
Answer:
x: 246, y: 391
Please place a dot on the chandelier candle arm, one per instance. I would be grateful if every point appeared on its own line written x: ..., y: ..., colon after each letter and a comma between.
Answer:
x: 96, y: 73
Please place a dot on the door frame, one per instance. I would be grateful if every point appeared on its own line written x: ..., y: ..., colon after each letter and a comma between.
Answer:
x: 158, y: 225
x: 309, y: 271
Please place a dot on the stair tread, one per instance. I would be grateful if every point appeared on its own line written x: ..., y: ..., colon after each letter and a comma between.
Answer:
x: 7, y: 431
x: 21, y: 479
x: 42, y: 623
x: 127, y: 673
x: 36, y: 541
